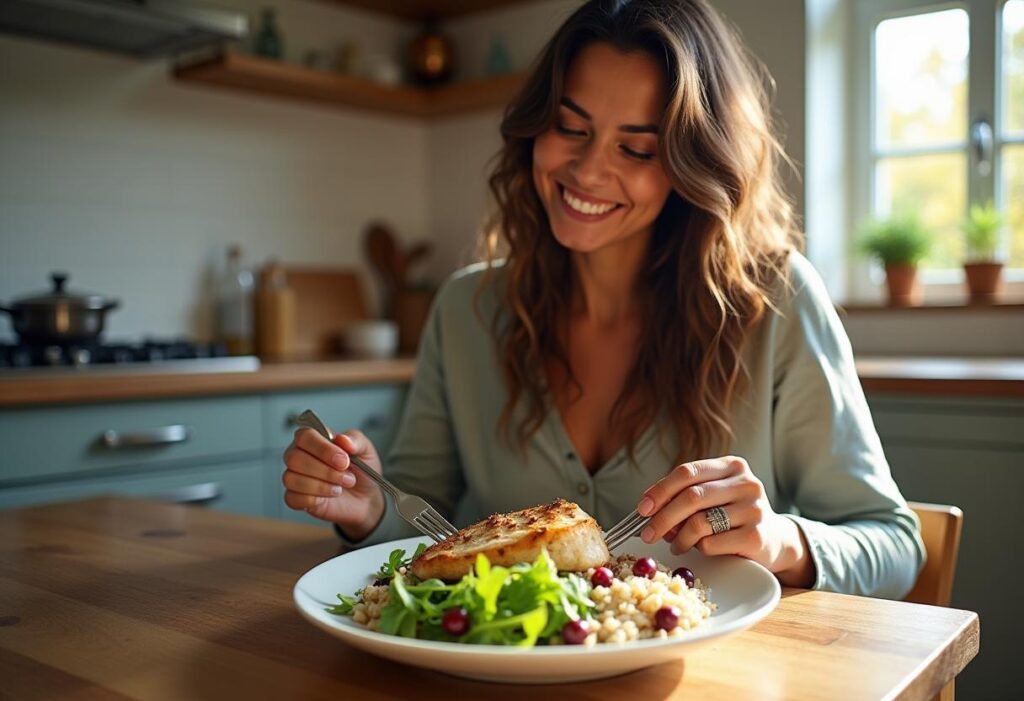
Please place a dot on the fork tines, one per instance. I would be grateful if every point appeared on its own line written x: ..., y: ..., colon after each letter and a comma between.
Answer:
x: 434, y: 525
x: 625, y: 529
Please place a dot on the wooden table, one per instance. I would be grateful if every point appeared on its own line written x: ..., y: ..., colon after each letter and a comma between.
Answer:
x: 114, y: 598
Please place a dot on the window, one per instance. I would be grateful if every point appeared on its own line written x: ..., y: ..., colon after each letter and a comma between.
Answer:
x: 940, y: 120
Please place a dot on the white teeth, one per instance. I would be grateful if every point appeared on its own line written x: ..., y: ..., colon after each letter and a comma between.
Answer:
x: 585, y: 207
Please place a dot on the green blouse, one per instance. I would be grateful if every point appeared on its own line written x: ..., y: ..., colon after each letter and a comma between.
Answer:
x: 803, y: 426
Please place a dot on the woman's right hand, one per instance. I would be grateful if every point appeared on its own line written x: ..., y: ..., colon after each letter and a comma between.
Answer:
x: 319, y: 480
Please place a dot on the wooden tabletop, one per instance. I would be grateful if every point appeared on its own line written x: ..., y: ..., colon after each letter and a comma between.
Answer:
x: 115, y: 598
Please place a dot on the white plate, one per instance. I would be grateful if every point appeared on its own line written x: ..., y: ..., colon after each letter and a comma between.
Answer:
x: 745, y: 593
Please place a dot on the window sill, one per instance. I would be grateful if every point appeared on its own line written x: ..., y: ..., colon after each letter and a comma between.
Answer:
x: 1009, y: 305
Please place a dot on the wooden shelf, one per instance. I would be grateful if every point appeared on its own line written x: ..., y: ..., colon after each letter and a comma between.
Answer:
x: 422, y: 9
x: 266, y: 77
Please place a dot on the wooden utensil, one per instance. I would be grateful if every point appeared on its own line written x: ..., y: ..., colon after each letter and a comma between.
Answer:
x: 384, y: 255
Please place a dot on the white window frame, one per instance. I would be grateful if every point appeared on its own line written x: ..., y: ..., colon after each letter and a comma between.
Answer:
x: 864, y: 281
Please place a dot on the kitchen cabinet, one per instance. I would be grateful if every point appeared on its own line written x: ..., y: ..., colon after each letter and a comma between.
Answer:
x: 221, y: 451
x: 968, y: 452
x: 375, y: 410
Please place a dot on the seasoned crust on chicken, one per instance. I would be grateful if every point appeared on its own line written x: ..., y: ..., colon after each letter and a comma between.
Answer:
x: 572, y: 538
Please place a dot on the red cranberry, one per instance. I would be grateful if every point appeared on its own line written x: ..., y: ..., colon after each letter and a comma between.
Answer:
x: 686, y: 573
x: 574, y: 632
x: 602, y: 577
x: 666, y: 618
x: 455, y: 621
x: 645, y: 567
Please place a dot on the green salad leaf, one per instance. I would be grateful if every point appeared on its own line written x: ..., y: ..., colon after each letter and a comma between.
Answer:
x: 524, y: 605
x: 397, y: 560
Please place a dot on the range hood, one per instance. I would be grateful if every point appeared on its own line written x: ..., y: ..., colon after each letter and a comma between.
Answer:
x: 144, y: 28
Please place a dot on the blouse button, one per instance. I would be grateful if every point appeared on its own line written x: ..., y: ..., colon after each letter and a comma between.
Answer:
x: 583, y: 488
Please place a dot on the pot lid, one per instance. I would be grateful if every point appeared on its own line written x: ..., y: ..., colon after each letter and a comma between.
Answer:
x: 59, y: 295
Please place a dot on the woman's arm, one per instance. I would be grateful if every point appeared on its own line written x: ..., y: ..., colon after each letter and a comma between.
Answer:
x: 862, y: 537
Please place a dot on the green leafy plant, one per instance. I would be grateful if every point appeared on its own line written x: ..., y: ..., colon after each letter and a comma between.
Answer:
x: 981, y: 228
x: 898, y: 240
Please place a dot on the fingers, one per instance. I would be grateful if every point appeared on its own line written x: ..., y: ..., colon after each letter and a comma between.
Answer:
x: 694, y: 499
x: 353, y: 441
x: 732, y: 542
x: 320, y: 448
x: 687, y: 475
x: 301, y: 484
x: 300, y: 462
x: 697, y: 527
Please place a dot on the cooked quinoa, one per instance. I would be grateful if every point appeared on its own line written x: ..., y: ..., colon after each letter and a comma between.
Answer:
x: 625, y: 610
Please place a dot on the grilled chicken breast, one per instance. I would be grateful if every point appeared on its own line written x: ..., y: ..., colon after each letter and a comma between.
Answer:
x: 572, y: 537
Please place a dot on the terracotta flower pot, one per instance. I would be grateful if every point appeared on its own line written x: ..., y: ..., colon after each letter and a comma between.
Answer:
x: 901, y: 280
x: 983, y: 281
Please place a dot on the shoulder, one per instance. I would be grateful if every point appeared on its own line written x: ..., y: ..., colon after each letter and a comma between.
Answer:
x: 800, y: 292
x: 469, y: 294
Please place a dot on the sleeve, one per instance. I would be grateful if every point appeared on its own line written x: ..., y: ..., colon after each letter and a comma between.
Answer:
x: 828, y: 458
x: 423, y: 459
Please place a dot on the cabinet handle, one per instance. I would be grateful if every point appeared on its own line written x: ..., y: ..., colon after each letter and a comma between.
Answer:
x: 165, y: 435
x: 193, y: 494
x: 374, y: 422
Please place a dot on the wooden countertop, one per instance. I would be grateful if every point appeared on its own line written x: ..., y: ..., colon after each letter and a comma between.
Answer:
x: 125, y: 598
x: 96, y: 385
x: 998, y: 377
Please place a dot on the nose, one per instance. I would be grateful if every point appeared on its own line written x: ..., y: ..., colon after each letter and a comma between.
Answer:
x: 590, y: 166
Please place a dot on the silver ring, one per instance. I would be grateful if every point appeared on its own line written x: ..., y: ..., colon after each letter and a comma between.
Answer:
x: 718, y: 519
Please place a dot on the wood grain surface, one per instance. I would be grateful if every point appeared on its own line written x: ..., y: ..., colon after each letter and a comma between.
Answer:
x: 938, y: 376
x: 116, y: 598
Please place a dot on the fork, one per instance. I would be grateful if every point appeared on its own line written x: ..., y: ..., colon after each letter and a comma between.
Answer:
x: 625, y: 529
x: 413, y: 509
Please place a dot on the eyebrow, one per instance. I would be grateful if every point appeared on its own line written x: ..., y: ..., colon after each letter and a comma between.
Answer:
x: 628, y: 128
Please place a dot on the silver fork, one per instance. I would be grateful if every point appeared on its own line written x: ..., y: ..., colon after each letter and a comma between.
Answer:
x: 413, y: 509
x: 625, y: 529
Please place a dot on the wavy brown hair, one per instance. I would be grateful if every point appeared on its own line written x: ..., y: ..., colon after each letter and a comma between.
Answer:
x: 718, y: 247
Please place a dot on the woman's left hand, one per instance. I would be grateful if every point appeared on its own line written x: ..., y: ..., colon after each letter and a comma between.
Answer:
x: 678, y: 504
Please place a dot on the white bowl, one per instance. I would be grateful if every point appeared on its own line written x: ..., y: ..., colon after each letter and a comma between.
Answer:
x: 372, y: 339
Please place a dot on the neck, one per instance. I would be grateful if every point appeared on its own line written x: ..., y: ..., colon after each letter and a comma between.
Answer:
x: 606, y: 289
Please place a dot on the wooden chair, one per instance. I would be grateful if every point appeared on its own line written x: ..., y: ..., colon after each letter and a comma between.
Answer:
x: 940, y: 531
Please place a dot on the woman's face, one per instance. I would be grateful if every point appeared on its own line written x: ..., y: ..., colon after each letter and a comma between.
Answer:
x: 597, y: 169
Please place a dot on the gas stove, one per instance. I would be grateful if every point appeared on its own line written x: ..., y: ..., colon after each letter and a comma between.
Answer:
x: 148, y: 355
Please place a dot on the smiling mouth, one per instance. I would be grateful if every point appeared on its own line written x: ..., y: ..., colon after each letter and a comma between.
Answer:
x: 586, y: 207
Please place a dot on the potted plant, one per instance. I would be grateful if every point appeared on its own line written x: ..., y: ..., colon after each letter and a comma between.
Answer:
x: 981, y: 268
x: 898, y: 244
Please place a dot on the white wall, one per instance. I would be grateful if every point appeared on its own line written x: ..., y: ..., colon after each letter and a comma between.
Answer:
x: 135, y: 183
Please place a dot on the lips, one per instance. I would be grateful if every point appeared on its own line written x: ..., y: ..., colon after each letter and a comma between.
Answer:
x: 583, y: 207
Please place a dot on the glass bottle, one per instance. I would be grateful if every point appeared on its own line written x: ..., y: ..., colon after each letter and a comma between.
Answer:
x: 269, y: 42
x: 235, y: 305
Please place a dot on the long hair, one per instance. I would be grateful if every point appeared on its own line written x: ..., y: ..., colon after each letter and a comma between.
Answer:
x: 718, y: 247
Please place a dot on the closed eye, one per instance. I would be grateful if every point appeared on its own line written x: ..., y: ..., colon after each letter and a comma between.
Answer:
x: 639, y: 155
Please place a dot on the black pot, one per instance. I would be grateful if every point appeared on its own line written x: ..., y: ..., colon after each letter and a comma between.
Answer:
x: 59, y: 317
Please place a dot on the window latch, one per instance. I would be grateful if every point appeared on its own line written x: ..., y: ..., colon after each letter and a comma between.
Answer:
x: 982, y: 145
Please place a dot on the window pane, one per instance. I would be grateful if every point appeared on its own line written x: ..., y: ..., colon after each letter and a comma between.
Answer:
x: 1013, y: 171
x: 921, y: 79
x: 935, y: 188
x: 1013, y: 67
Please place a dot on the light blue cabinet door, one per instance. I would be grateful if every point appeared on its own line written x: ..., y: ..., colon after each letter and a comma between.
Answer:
x: 373, y: 409
x: 234, y: 486
x: 43, y: 442
x: 968, y: 452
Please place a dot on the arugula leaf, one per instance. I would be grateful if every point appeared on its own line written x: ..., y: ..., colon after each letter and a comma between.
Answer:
x: 344, y: 608
x: 524, y: 604
x: 397, y: 560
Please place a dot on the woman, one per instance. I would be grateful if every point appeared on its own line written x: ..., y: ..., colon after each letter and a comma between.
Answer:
x: 651, y: 311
